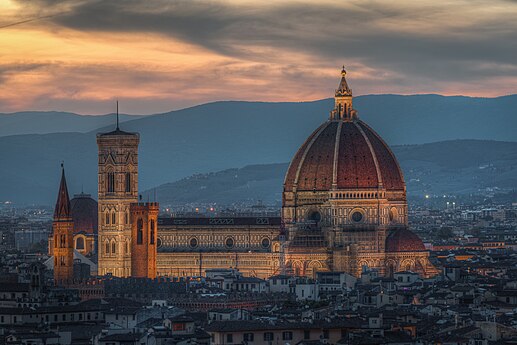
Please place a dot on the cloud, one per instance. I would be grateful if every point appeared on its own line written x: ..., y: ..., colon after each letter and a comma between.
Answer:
x: 408, y: 37
x: 290, y: 49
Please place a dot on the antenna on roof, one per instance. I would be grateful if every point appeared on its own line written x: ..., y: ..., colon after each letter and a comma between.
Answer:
x: 117, y: 114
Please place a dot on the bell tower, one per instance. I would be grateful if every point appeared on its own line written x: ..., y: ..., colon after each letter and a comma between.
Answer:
x: 118, y: 188
x: 63, y: 233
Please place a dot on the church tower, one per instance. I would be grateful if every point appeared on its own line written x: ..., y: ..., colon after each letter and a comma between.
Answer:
x: 118, y: 188
x: 63, y: 233
x: 144, y: 224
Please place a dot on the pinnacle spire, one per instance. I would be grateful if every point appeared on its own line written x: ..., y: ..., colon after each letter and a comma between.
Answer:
x: 62, y: 209
x: 117, y: 116
x: 343, y: 89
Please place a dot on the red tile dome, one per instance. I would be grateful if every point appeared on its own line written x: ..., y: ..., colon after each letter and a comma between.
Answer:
x: 84, y: 213
x: 403, y: 240
x: 346, y: 154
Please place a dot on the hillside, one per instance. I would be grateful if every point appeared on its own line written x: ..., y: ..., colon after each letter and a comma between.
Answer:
x: 43, y: 122
x: 223, y: 135
x: 450, y: 167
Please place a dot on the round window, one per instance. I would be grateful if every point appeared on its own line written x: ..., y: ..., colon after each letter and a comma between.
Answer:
x: 357, y: 216
x: 266, y: 242
x: 229, y: 242
x: 193, y: 242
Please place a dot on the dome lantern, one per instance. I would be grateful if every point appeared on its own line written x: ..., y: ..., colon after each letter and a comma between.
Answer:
x: 343, y: 109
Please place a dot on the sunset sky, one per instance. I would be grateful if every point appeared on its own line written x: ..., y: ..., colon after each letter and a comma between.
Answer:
x: 155, y: 56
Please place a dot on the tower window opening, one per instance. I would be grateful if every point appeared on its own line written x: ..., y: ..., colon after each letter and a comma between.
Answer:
x: 128, y: 182
x: 151, y: 237
x: 111, y: 182
x: 139, y: 232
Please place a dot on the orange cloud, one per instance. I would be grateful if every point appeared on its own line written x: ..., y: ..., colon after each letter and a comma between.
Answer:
x: 80, y: 55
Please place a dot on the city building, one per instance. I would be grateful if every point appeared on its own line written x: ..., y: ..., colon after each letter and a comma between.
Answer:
x: 344, y: 209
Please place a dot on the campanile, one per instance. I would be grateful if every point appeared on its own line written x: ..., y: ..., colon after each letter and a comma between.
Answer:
x: 118, y: 188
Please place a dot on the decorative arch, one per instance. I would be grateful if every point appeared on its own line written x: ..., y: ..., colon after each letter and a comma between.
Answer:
x: 391, y: 267
x: 297, y: 267
x: 407, y: 265
x: 313, y: 267
x: 80, y: 243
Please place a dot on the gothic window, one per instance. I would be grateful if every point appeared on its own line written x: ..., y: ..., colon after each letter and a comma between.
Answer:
x: 128, y: 182
x: 151, y: 237
x: 79, y: 243
x: 111, y: 182
x: 140, y: 231
x: 113, y: 247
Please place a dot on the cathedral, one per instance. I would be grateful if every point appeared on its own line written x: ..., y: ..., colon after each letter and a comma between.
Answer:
x: 344, y: 209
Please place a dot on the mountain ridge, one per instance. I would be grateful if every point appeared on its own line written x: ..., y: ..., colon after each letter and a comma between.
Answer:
x: 222, y: 135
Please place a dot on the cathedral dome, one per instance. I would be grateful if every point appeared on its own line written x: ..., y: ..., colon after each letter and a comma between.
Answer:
x: 403, y: 240
x: 344, y: 155
x: 84, y: 213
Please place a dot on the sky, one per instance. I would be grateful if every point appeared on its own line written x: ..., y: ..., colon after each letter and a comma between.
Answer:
x: 156, y: 56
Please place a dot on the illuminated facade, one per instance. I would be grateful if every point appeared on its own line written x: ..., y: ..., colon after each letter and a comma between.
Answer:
x: 344, y: 209
x: 344, y: 201
x: 117, y: 190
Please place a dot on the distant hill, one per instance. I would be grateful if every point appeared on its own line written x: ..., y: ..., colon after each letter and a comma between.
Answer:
x: 43, y: 122
x: 449, y: 167
x: 223, y: 135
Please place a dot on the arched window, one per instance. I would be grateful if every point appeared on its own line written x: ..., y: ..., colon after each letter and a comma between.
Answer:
x: 113, y: 247
x: 128, y: 182
x: 151, y: 237
x: 111, y: 182
x: 79, y: 243
x: 107, y: 251
x: 140, y: 231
